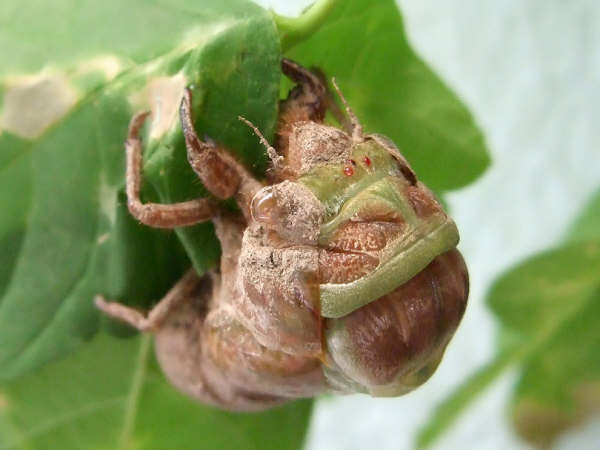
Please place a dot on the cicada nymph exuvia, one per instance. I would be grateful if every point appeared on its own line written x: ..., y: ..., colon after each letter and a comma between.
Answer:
x: 339, y: 274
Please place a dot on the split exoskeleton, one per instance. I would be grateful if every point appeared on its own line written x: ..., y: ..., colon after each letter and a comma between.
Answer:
x: 340, y: 274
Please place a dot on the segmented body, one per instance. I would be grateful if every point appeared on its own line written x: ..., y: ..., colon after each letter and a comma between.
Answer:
x: 343, y: 276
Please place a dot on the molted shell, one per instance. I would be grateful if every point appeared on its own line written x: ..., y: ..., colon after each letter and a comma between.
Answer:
x: 341, y: 275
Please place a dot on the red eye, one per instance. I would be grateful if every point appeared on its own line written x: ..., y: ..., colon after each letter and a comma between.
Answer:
x: 348, y: 171
x: 367, y: 161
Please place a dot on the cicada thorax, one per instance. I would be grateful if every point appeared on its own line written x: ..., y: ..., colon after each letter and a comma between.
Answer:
x: 351, y: 260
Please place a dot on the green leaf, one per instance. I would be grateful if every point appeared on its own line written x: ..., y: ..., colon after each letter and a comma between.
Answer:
x: 560, y: 384
x: 587, y: 226
x: 363, y: 45
x: 540, y: 293
x: 549, y: 311
x: 112, y: 396
x: 68, y: 87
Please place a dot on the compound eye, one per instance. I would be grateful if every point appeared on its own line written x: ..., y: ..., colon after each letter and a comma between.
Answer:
x: 290, y: 209
x: 264, y: 207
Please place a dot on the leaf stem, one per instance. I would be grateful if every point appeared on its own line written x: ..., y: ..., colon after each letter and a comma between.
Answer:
x: 293, y: 30
x: 448, y: 412
x: 135, y: 390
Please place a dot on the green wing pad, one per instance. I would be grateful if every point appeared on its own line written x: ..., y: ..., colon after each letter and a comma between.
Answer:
x: 412, y: 254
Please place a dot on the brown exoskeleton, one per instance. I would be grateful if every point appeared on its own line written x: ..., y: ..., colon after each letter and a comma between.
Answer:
x: 339, y: 275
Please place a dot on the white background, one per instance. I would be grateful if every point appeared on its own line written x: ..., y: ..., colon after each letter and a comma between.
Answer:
x: 530, y: 73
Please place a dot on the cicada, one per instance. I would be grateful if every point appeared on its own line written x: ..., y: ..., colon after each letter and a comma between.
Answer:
x: 339, y: 273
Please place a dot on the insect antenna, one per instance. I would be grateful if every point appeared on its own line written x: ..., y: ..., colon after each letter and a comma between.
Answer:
x: 271, y: 152
x: 357, y: 130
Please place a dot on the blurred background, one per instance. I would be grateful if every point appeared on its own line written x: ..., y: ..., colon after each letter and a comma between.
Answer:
x: 530, y: 73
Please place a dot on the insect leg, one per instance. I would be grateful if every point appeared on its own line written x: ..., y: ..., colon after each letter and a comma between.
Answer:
x: 153, y: 320
x: 309, y: 97
x: 220, y: 173
x: 154, y: 214
x: 307, y: 101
